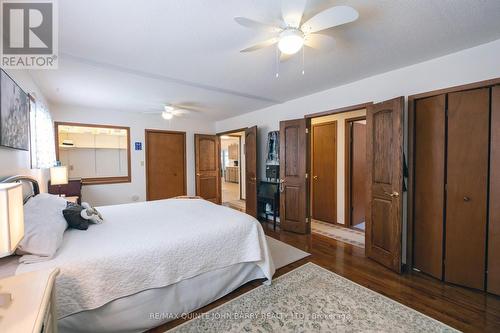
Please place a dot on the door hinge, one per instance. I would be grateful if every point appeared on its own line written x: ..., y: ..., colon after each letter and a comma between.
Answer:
x: 307, y: 130
x: 308, y: 220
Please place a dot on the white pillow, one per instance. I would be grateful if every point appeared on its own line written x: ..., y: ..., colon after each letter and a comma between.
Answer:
x: 44, y: 227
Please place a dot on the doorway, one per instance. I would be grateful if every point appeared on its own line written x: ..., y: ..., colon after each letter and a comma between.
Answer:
x: 337, y: 149
x: 355, y: 172
x: 165, y: 164
x: 233, y: 170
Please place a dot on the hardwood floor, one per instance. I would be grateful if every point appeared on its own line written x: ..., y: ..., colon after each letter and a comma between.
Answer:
x: 463, y: 309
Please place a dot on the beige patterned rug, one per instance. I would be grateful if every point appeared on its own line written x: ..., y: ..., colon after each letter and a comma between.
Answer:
x: 312, y: 299
x: 343, y: 234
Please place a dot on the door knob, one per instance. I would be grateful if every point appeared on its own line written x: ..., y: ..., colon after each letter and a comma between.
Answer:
x: 466, y: 199
x: 315, y: 177
x: 393, y: 194
x: 282, y: 188
x: 198, y: 174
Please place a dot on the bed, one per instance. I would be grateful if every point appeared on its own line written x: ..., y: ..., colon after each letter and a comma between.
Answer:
x: 151, y: 262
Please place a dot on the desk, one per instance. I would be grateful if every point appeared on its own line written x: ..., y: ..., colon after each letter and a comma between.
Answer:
x: 268, y: 193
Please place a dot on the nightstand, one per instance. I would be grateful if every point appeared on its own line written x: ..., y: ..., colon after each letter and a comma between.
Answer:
x: 33, y: 307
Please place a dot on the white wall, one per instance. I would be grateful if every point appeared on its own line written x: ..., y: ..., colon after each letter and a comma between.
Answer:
x: 18, y: 162
x: 471, y: 65
x: 138, y: 122
x: 340, y: 119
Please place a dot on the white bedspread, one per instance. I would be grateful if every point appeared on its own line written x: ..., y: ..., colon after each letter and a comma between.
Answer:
x: 150, y: 245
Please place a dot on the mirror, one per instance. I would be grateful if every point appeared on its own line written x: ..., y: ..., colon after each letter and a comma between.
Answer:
x: 98, y: 154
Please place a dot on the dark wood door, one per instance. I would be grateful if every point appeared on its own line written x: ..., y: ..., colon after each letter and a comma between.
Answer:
x: 358, y: 173
x: 165, y: 164
x: 251, y: 170
x: 467, y: 183
x: 293, y: 183
x: 384, y: 156
x: 324, y: 172
x: 430, y: 143
x: 493, y: 283
x: 207, y: 152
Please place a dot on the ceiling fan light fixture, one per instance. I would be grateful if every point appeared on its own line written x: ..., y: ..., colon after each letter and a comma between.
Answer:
x: 167, y: 115
x: 291, y: 41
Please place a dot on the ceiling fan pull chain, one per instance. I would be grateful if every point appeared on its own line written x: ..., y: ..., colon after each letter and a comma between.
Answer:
x: 277, y: 62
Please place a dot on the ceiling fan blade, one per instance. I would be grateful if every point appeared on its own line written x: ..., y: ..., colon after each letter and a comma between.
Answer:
x: 320, y: 42
x: 249, y: 23
x: 180, y: 112
x: 330, y: 17
x: 261, y: 45
x: 292, y: 11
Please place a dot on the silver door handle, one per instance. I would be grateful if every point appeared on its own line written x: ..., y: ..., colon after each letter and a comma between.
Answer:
x: 393, y: 194
x: 282, y: 188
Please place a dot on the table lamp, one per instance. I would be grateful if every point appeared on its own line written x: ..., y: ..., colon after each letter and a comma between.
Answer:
x: 59, y: 176
x: 11, y: 224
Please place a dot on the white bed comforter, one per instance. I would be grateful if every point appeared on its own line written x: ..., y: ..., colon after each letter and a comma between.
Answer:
x: 151, y: 245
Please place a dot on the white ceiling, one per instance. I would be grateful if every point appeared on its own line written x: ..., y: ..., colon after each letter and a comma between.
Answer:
x: 135, y: 55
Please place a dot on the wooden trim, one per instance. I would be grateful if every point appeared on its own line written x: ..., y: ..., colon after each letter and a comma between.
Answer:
x: 98, y: 180
x: 347, y: 169
x: 146, y: 131
x: 239, y: 166
x: 469, y: 86
x: 411, y: 183
x: 411, y: 153
x: 232, y: 131
x: 339, y: 110
x: 311, y: 184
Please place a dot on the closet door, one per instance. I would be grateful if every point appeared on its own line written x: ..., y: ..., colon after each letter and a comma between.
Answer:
x: 467, y: 178
x: 324, y: 182
x: 494, y: 226
x: 430, y: 123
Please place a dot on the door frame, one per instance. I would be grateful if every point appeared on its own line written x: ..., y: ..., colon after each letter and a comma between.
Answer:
x: 347, y: 169
x: 309, y: 117
x: 146, y: 155
x: 411, y: 155
x: 311, y: 166
x: 219, y: 134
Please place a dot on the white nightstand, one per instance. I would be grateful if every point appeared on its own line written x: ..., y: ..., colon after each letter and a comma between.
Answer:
x: 33, y: 307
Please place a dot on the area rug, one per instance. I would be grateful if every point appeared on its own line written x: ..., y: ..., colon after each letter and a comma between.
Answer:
x: 284, y: 254
x: 312, y: 299
x: 346, y: 235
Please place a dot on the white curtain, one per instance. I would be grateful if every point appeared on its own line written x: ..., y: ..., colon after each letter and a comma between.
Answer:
x: 43, y: 154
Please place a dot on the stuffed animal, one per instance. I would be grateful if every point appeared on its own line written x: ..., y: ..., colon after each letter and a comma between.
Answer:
x: 90, y: 213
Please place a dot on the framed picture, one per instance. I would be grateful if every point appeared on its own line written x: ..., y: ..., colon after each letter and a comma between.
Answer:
x: 14, y: 114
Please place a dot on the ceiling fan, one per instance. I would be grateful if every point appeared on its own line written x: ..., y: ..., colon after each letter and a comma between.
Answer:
x: 170, y: 111
x: 291, y: 34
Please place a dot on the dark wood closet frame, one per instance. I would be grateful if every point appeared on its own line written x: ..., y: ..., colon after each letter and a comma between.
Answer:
x: 347, y: 168
x: 229, y: 133
x: 411, y: 154
x: 146, y: 131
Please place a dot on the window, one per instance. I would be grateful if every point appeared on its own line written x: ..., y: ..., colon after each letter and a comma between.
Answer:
x: 41, y: 136
x: 98, y: 154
